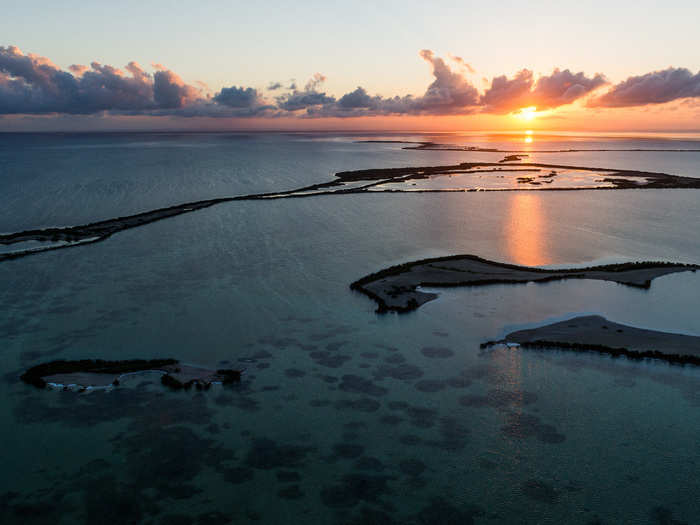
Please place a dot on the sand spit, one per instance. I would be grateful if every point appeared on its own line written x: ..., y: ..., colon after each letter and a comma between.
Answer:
x: 346, y: 182
x: 593, y: 333
x: 70, y: 236
x: 396, y: 288
x: 87, y: 374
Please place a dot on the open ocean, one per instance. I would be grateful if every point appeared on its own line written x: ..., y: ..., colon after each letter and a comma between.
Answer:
x: 324, y: 428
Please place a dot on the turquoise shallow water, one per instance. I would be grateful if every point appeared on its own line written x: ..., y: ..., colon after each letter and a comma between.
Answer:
x: 345, y: 416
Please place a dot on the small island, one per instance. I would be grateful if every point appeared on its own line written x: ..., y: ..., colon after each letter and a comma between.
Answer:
x: 513, y: 158
x: 593, y: 333
x: 396, y: 288
x: 97, y: 373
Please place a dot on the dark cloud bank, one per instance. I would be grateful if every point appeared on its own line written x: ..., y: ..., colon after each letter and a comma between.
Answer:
x: 33, y: 85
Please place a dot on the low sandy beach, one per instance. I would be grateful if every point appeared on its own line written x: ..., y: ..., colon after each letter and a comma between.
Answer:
x: 600, y: 334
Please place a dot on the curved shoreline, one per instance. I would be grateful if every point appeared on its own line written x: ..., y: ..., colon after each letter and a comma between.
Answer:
x: 594, y: 333
x: 396, y: 288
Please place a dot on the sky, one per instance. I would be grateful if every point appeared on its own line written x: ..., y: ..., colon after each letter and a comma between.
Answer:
x: 409, y: 65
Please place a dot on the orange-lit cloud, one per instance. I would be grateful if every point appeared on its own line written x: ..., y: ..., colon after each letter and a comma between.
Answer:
x: 33, y: 85
x: 78, y: 69
x: 550, y: 91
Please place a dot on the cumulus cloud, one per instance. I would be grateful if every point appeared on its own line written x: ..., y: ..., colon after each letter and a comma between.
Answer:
x: 30, y: 84
x: 33, y: 85
x: 449, y: 93
x: 169, y: 91
x: 78, y: 69
x: 307, y: 98
x: 452, y: 93
x: 506, y: 95
x: 550, y: 91
x: 656, y: 87
x: 238, y: 97
x: 359, y: 99
x: 564, y: 87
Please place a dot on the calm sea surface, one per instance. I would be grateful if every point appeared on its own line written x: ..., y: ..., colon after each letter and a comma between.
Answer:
x: 343, y: 416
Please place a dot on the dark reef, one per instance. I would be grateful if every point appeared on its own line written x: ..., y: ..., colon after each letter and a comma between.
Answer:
x: 93, y: 371
x: 36, y: 374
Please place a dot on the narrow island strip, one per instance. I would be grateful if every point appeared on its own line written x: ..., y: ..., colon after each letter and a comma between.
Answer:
x: 435, y: 146
x: 396, y: 288
x: 370, y: 181
x: 97, y: 373
x: 618, y: 178
x: 593, y: 333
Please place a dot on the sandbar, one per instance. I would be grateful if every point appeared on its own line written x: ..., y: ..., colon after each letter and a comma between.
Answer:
x: 396, y: 288
x: 593, y: 333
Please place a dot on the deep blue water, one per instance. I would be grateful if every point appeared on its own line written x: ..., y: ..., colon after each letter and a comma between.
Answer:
x: 326, y: 428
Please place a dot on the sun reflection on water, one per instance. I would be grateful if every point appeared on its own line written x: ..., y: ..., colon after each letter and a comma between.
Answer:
x: 525, y: 230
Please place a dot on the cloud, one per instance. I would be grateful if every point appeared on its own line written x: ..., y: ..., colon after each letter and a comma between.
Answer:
x: 550, y: 91
x: 462, y: 62
x: 359, y: 99
x: 564, y: 87
x: 656, y: 87
x: 450, y: 92
x: 30, y: 84
x: 307, y: 98
x: 506, y: 95
x: 238, y: 97
x: 169, y: 91
x: 33, y: 85
x: 78, y: 69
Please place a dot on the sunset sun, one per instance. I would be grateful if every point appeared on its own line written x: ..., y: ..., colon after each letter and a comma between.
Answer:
x: 529, y: 113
